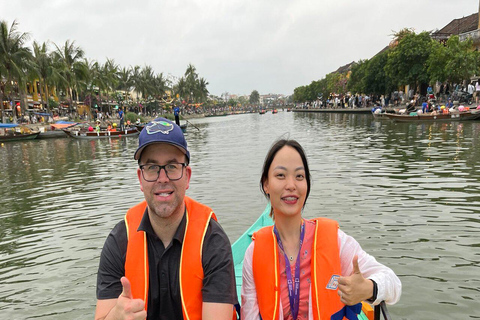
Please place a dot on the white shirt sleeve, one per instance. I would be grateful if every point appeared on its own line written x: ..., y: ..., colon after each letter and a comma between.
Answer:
x: 389, y: 285
x: 249, y: 293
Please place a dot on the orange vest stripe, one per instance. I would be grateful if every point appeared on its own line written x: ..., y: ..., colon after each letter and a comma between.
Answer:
x: 191, y: 270
x: 135, y: 272
x: 325, y: 263
x: 265, y: 265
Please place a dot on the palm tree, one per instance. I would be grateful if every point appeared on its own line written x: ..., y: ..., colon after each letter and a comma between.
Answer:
x: 45, y: 71
x: 14, y: 59
x: 125, y: 81
x: 74, y: 71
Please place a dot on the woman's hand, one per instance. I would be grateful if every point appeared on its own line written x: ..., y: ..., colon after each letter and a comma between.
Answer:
x: 355, y: 288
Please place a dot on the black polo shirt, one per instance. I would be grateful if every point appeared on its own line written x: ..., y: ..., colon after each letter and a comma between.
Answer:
x: 164, y: 301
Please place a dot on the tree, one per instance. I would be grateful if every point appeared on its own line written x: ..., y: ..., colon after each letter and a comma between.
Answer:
x: 14, y: 60
x: 454, y: 62
x: 356, y: 83
x: 254, y: 97
x: 407, y: 62
x: 73, y: 69
x: 45, y: 70
x: 376, y: 80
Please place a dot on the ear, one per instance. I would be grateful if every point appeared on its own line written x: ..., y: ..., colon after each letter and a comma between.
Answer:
x: 265, y: 187
x: 188, y: 173
x: 139, y: 175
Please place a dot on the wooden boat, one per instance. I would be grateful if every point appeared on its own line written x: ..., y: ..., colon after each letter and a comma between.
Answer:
x: 428, y: 117
x: 274, y: 111
x: 83, y: 134
x: 10, y: 132
x: 263, y: 111
x: 240, y: 246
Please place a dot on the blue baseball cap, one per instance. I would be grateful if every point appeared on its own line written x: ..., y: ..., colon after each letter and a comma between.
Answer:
x: 161, y: 130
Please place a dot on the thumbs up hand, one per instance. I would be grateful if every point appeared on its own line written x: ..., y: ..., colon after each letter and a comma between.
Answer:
x: 355, y: 288
x: 127, y: 307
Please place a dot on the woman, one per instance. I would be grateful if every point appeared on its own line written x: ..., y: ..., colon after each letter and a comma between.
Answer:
x: 306, y: 269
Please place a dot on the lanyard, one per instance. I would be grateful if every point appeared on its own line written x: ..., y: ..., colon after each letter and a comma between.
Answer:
x: 293, y: 286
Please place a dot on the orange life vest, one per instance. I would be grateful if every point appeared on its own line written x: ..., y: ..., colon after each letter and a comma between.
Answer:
x: 325, y: 264
x: 191, y: 269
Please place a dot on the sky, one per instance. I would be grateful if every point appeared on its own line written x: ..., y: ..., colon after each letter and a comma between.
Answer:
x: 272, y: 46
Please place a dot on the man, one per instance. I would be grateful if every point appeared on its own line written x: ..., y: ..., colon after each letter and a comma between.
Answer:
x: 176, y: 261
x: 121, y: 115
x: 176, y: 113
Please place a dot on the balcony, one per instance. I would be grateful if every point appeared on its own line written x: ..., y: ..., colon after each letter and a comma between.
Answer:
x: 475, y: 35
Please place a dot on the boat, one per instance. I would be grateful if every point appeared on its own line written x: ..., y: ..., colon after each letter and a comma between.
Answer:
x: 83, y: 134
x: 240, y: 246
x: 263, y: 111
x: 10, y: 132
x: 429, y: 117
x: 289, y: 109
x: 55, y: 130
x: 274, y: 111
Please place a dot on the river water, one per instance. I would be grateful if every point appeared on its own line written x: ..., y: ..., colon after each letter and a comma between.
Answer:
x: 409, y: 193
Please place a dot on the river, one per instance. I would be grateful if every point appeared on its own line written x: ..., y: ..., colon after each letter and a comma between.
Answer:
x: 409, y: 194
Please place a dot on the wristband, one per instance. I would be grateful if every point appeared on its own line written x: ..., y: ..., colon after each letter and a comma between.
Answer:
x: 375, y: 291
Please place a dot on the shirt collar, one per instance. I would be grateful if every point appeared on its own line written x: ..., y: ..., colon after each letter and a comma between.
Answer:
x: 146, y: 226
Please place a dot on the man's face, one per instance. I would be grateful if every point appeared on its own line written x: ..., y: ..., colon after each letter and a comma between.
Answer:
x: 165, y: 198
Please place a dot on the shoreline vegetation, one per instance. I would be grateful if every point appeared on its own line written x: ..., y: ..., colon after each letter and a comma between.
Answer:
x: 61, y: 80
x: 410, y: 64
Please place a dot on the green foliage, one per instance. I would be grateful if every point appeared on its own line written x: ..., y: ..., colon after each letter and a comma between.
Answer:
x: 376, y: 80
x: 132, y: 116
x: 52, y: 103
x: 356, y: 82
x: 407, y: 62
x: 454, y: 62
x: 254, y: 97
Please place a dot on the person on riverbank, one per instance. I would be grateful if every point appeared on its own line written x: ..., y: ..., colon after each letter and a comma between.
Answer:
x: 169, y: 258
x: 320, y: 272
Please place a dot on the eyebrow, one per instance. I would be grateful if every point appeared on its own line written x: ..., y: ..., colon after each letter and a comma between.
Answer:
x: 283, y: 168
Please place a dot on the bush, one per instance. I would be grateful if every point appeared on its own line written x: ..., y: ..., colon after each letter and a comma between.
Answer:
x: 132, y: 116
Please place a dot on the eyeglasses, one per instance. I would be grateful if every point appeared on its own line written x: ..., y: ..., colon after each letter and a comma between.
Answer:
x: 151, y: 172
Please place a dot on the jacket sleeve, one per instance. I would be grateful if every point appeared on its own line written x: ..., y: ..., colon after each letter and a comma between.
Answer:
x: 389, y: 285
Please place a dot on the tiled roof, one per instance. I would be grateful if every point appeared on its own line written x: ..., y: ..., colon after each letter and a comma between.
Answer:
x: 458, y: 26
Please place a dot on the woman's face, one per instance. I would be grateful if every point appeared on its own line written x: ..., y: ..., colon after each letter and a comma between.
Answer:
x: 286, y: 183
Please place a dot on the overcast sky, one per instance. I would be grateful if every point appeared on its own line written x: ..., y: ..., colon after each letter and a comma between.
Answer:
x: 238, y: 46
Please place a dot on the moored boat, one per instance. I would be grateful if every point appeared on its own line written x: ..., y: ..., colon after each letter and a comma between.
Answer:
x: 82, y: 134
x: 440, y: 117
x: 9, y: 132
x: 55, y: 130
x: 240, y: 246
x: 263, y: 111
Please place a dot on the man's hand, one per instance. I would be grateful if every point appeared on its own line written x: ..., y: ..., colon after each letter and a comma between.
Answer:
x: 125, y: 307
x: 355, y: 288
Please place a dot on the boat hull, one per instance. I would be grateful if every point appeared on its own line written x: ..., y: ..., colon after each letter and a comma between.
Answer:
x: 18, y: 137
x: 77, y: 134
x: 457, y: 116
